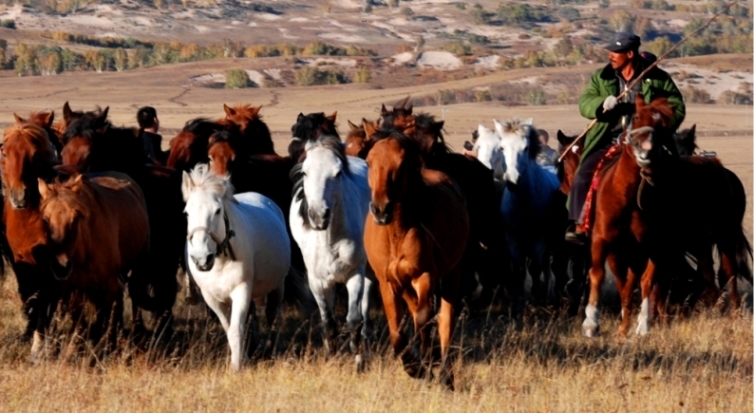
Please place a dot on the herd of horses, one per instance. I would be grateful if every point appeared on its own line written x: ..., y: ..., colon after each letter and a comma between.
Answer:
x: 86, y: 216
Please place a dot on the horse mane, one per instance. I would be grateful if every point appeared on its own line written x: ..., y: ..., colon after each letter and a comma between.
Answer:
x: 202, y: 126
x: 524, y: 130
x: 307, y: 126
x: 63, y: 192
x: 663, y: 107
x: 38, y: 136
x: 86, y: 126
x: 203, y: 178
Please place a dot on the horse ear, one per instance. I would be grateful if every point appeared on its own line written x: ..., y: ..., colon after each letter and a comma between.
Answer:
x: 228, y: 110
x: 255, y: 111
x: 692, y: 130
x: 67, y: 112
x: 48, y: 118
x: 332, y: 117
x: 352, y: 126
x: 19, y: 120
x: 562, y: 138
x: 384, y: 111
x: 498, y: 126
x: 369, y: 129
x: 44, y: 190
x: 103, y: 116
x: 187, y: 185
x: 438, y: 126
x: 299, y: 117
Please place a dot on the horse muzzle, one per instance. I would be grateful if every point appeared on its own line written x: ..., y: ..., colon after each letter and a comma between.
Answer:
x: 207, y: 264
x: 383, y: 215
x: 17, y: 198
x: 61, y: 271
x: 320, y: 220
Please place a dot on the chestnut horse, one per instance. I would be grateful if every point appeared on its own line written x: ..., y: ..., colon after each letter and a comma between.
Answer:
x: 98, y: 232
x: 94, y: 145
x: 27, y: 155
x: 359, y: 141
x: 649, y: 214
x: 258, y: 140
x: 414, y: 242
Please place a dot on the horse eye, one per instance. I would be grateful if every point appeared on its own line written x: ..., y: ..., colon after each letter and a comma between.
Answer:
x: 337, y: 175
x: 217, y: 212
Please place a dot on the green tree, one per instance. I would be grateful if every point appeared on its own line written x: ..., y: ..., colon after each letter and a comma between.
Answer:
x: 563, y: 47
x: 622, y: 21
x: 120, y: 58
x: 70, y: 59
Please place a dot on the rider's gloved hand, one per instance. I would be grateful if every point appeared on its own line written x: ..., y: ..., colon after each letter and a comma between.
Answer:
x: 609, y: 103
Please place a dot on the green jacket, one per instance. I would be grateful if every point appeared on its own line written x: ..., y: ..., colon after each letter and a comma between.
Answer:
x: 657, y: 83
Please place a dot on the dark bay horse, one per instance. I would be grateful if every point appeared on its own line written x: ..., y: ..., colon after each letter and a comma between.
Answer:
x: 309, y: 128
x: 414, y: 241
x: 189, y: 147
x: 98, y: 232
x: 27, y: 155
x: 93, y: 144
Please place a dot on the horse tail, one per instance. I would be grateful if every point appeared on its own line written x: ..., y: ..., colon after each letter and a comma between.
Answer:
x: 740, y: 243
x: 743, y: 256
x: 297, y: 291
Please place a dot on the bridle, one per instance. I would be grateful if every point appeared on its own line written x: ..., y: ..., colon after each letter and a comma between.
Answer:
x: 223, y: 246
x: 646, y: 178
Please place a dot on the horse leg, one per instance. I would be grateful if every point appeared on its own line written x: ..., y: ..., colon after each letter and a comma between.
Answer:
x: 393, y: 313
x: 354, y: 319
x: 705, y: 266
x: 240, y: 298
x: 446, y: 324
x: 625, y: 281
x: 419, y: 304
x: 366, y: 328
x: 591, y: 325
x: 272, y: 313
x: 324, y: 295
x: 728, y: 267
x: 221, y: 310
x: 647, y: 284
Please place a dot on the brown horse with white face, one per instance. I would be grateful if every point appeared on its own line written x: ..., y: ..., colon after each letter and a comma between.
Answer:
x: 415, y: 239
x: 98, y: 232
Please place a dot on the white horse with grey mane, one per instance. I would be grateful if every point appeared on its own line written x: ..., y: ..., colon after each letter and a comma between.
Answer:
x: 489, y: 152
x: 327, y: 216
x: 237, y: 250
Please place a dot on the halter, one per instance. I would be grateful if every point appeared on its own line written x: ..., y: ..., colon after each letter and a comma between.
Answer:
x: 223, y: 247
x: 645, y: 177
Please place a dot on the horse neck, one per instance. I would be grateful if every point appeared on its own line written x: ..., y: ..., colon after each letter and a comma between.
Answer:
x: 627, y: 171
x: 24, y: 230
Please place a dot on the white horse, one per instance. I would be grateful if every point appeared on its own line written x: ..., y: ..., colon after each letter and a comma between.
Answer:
x: 237, y: 250
x: 327, y: 216
x: 489, y: 152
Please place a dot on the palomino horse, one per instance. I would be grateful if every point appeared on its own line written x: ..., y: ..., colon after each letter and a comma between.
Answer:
x: 309, y: 128
x: 98, y: 232
x: 237, y: 250
x: 414, y: 242
x: 27, y: 155
x: 527, y: 207
x: 93, y: 144
x: 257, y: 139
x: 331, y: 203
x: 646, y: 204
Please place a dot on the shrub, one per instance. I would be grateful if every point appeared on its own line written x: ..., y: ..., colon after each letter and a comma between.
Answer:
x: 445, y: 97
x: 536, y: 97
x: 236, y: 79
x: 622, y: 21
x: 458, y: 49
x: 460, y: 5
x: 362, y: 75
x: 482, y: 96
x: 695, y: 95
x: 406, y: 11
x: 731, y: 97
x: 8, y: 23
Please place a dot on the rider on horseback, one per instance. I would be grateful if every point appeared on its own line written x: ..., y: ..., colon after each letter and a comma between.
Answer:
x: 600, y: 102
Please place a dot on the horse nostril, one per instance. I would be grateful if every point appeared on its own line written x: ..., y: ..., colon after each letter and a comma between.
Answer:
x: 373, y: 209
x: 326, y: 215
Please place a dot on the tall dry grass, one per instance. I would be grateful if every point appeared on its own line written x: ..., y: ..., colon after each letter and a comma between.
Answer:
x: 701, y: 363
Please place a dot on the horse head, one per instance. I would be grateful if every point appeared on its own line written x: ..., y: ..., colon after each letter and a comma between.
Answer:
x: 27, y: 154
x: 62, y: 210
x: 569, y: 162
x: 80, y: 133
x: 206, y: 195
x: 220, y: 153
x: 321, y: 176
x: 359, y: 140
x: 241, y: 115
x: 685, y: 141
x: 649, y: 131
x: 309, y: 128
x: 394, y: 170
x: 246, y: 118
x: 488, y: 150
x: 520, y: 144
x: 189, y: 147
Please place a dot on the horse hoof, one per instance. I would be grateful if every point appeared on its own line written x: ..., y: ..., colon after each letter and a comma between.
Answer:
x: 642, y: 329
x: 590, y: 329
x: 360, y: 364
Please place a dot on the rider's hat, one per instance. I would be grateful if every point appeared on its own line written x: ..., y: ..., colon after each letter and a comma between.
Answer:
x: 623, y: 42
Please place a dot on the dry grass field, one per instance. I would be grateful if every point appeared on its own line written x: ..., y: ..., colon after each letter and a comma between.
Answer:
x: 700, y: 363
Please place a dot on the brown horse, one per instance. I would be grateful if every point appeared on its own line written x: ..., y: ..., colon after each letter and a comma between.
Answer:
x: 414, y: 242
x: 45, y: 121
x: 359, y: 139
x: 258, y: 138
x: 98, y: 232
x: 189, y: 147
x: 93, y: 144
x: 569, y: 163
x: 27, y: 155
x: 653, y: 208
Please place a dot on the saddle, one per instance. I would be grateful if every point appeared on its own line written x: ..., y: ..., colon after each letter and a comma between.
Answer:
x: 587, y: 212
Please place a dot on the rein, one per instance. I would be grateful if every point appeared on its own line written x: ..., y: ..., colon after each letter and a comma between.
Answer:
x: 223, y: 247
